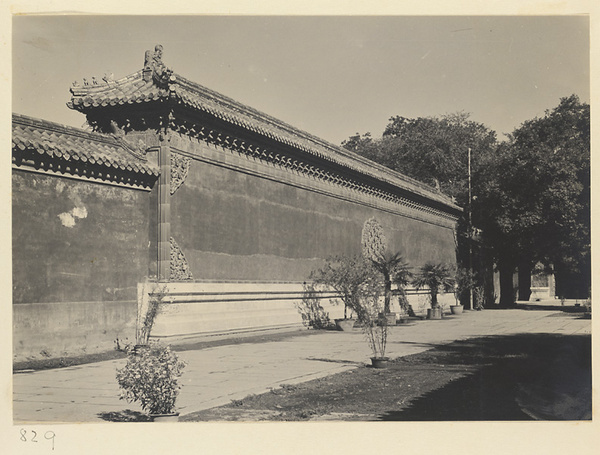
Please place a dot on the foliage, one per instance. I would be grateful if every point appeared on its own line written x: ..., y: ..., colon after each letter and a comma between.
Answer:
x: 391, y: 266
x: 348, y: 276
x: 432, y: 150
x: 478, y: 297
x: 464, y: 281
x: 357, y: 283
x: 437, y: 278
x: 150, y: 377
x: 310, y: 308
x: 373, y: 323
x: 392, y: 269
x: 534, y: 194
x: 156, y: 297
x: 531, y: 194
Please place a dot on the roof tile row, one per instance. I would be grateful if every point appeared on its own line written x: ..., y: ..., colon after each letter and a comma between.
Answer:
x: 133, y: 90
x: 71, y: 144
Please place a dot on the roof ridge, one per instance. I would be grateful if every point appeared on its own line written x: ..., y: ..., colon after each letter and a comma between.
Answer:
x: 65, y: 129
x: 156, y: 74
x: 303, y: 134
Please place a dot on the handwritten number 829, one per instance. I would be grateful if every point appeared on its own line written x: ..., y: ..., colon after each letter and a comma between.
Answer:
x: 49, y: 435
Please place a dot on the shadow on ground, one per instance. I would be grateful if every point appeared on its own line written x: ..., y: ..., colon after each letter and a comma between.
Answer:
x: 519, y: 377
x: 124, y: 416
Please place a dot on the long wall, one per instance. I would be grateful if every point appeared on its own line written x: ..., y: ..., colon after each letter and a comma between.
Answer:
x: 238, y: 219
x: 79, y: 250
x: 244, y: 233
x: 249, y: 233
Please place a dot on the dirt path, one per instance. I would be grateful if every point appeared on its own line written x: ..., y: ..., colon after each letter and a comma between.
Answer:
x: 522, y: 377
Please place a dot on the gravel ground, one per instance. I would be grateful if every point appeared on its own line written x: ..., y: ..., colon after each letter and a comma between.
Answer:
x: 523, y: 377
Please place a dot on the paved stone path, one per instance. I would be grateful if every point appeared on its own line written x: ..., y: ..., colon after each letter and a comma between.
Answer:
x: 217, y: 375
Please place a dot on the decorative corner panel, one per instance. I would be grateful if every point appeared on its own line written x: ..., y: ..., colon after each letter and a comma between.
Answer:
x: 180, y: 269
x: 180, y: 166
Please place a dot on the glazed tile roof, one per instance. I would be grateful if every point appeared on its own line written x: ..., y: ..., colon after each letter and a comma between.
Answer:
x: 73, y: 144
x: 134, y: 89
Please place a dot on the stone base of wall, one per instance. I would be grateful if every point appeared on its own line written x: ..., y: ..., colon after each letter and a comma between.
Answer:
x: 192, y: 310
x: 198, y: 309
x: 66, y: 329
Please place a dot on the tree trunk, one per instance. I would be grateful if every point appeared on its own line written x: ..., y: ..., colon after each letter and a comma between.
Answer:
x: 525, y: 280
x: 434, y: 301
x: 387, y: 293
x: 507, y: 294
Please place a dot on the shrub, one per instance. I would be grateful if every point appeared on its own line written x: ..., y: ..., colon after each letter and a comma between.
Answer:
x: 464, y: 281
x: 391, y: 266
x: 150, y: 377
x: 478, y: 297
x: 348, y: 276
x: 373, y: 323
x: 310, y: 308
x: 436, y: 277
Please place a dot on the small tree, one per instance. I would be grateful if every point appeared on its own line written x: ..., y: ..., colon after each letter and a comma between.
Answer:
x: 348, y: 276
x: 402, y: 277
x: 436, y: 277
x: 310, y: 308
x: 368, y: 310
x: 393, y: 269
x: 464, y: 280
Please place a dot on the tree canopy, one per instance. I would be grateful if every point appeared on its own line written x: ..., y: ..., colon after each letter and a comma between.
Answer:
x: 534, y: 194
x: 531, y: 193
x: 430, y: 149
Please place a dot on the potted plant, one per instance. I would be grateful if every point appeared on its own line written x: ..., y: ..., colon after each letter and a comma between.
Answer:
x: 150, y: 377
x: 346, y: 275
x: 393, y: 270
x: 390, y: 266
x: 375, y: 327
x: 463, y: 283
x: 437, y: 278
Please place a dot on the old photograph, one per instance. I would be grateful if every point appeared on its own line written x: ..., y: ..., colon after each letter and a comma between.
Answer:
x: 227, y: 218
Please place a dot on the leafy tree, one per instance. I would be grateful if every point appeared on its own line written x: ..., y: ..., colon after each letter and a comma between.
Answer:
x: 534, y: 196
x: 531, y: 193
x: 432, y: 150
x: 350, y: 276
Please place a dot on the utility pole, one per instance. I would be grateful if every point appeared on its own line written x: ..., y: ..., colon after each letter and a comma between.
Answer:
x: 470, y: 231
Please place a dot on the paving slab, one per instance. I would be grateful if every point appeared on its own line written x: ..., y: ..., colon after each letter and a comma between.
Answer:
x: 215, y: 376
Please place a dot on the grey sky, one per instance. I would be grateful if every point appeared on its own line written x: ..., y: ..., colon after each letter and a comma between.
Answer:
x: 330, y: 76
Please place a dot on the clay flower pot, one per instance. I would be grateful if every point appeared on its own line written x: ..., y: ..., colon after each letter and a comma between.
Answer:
x: 434, y: 313
x: 165, y: 417
x: 346, y: 325
x: 456, y: 309
x: 380, y: 362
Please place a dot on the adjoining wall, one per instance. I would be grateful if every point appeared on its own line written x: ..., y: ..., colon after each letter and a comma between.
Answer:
x: 79, y: 250
x: 51, y: 330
